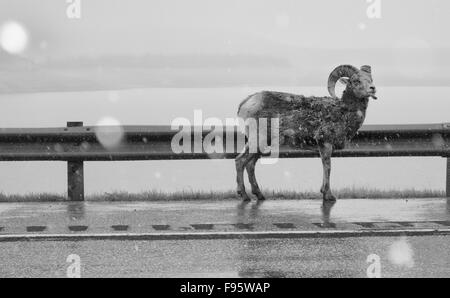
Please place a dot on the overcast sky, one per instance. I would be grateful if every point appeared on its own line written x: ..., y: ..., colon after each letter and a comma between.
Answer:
x: 407, y: 44
x: 241, y: 26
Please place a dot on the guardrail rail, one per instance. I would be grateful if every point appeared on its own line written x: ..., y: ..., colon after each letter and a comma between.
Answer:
x: 76, y: 144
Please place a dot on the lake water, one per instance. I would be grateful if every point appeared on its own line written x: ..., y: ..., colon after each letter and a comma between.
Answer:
x: 396, y: 105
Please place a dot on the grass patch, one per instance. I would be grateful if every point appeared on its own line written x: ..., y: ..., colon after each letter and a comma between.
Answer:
x: 345, y: 193
x: 32, y: 197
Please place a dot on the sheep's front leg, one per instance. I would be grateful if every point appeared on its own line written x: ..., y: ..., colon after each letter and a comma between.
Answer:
x: 241, y: 161
x: 252, y: 178
x: 325, y: 153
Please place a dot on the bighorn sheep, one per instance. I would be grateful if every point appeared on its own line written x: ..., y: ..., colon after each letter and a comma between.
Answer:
x: 317, y: 123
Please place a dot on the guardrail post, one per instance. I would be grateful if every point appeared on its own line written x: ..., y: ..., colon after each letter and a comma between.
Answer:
x: 448, y: 177
x: 75, y: 175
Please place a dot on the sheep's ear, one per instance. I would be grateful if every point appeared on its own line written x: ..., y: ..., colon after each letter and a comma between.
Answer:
x: 344, y: 81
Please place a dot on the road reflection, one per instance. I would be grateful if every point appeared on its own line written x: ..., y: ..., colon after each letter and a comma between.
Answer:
x: 76, y: 210
x: 257, y: 258
x: 326, y: 213
x: 448, y: 207
x: 244, y: 216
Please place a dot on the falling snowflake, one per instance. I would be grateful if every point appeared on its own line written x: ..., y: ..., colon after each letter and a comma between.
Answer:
x: 401, y: 253
x: 109, y: 132
x: 437, y: 140
x: 13, y: 37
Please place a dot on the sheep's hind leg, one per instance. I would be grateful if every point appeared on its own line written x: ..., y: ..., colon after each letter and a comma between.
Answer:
x: 325, y: 153
x: 252, y: 178
x: 241, y: 161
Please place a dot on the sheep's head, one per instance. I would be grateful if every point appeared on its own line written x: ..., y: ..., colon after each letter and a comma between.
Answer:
x: 358, y: 81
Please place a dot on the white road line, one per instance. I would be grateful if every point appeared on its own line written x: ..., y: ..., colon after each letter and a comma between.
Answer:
x: 223, y: 235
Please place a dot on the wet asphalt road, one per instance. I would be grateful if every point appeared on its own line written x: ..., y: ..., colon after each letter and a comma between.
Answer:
x: 227, y: 258
x: 412, y: 256
x: 102, y: 217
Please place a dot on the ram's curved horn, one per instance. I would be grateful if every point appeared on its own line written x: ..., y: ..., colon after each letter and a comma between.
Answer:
x: 336, y: 74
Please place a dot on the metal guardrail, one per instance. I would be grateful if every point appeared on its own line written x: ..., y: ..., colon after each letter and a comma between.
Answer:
x: 77, y: 143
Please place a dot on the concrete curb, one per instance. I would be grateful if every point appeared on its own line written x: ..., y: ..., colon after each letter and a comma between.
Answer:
x: 225, y: 235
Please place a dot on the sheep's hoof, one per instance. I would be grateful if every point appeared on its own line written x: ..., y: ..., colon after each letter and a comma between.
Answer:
x: 329, y: 197
x: 243, y: 196
x: 260, y: 196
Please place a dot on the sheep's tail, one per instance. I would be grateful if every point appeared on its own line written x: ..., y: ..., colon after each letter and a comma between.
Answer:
x: 244, y: 101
